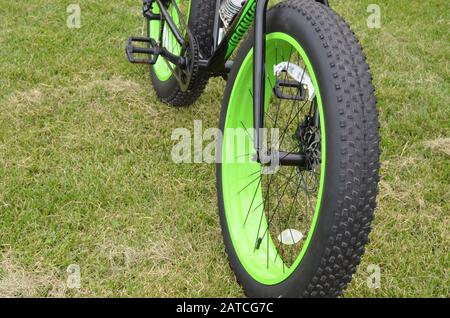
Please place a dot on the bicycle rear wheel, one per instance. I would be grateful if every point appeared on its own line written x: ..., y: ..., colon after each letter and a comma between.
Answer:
x: 199, y: 16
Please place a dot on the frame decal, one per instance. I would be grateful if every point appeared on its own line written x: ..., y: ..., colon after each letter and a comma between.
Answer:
x: 245, y: 22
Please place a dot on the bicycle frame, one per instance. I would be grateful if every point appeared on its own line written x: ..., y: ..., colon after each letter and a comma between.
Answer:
x: 253, y: 12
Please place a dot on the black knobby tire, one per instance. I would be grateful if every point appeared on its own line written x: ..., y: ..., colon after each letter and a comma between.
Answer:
x: 352, y: 150
x: 201, y: 22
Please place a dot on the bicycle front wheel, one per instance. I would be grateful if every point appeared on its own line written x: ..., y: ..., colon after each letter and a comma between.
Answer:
x: 300, y: 231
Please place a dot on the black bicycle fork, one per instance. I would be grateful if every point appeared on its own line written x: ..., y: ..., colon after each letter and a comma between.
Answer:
x: 259, y: 74
x: 259, y: 82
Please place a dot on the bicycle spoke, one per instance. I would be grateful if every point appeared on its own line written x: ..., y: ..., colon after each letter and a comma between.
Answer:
x: 251, y: 182
x: 253, y: 199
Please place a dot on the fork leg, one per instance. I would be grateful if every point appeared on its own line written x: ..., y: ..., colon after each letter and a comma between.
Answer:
x: 259, y: 73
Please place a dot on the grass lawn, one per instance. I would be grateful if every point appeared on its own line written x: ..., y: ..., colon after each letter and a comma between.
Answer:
x: 86, y: 176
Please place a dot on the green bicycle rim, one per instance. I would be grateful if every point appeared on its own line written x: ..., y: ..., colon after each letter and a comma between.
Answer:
x: 161, y: 69
x: 240, y: 112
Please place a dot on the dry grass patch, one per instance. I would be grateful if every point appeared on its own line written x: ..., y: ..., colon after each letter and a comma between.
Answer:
x: 441, y: 145
x: 122, y: 256
x: 34, y: 96
x: 16, y: 281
